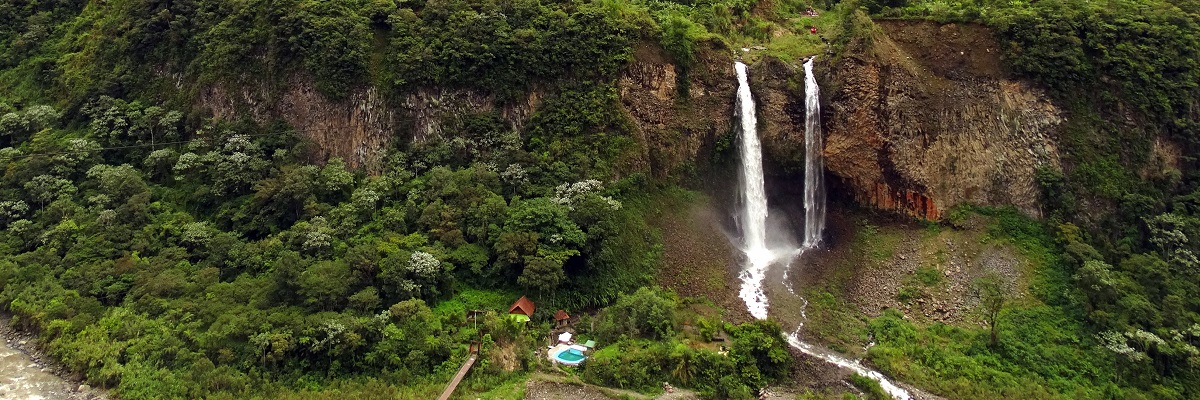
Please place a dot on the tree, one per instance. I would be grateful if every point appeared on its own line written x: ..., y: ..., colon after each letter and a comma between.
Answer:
x: 992, y: 294
x: 365, y: 300
x: 685, y: 368
x: 46, y: 188
x: 326, y: 284
x: 285, y: 273
x: 335, y: 182
x: 541, y: 227
x: 119, y: 182
x: 760, y: 350
x: 16, y: 127
x: 541, y: 273
x: 1169, y: 233
x: 648, y: 313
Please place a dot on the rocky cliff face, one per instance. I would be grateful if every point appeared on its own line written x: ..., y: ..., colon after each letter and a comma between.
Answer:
x: 778, y: 90
x: 919, y: 120
x: 357, y: 128
x: 925, y: 118
x: 678, y: 132
x: 360, y: 127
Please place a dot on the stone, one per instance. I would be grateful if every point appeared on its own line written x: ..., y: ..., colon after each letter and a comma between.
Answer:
x: 904, y: 147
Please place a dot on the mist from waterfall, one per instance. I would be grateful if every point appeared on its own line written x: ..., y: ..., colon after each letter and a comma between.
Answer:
x: 753, y: 216
x: 761, y: 246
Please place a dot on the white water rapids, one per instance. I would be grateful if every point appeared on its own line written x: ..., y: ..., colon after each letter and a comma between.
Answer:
x: 752, y: 220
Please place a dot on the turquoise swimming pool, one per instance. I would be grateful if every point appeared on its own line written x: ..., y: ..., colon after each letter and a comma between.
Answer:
x: 569, y: 357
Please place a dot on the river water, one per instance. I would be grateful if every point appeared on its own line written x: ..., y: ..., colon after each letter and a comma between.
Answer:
x: 23, y: 378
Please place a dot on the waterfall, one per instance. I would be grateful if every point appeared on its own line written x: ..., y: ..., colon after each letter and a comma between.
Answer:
x: 753, y: 218
x: 814, y: 161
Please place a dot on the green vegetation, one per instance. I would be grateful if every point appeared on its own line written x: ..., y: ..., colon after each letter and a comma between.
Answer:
x: 1115, y: 263
x: 197, y: 258
x: 167, y: 255
x: 227, y: 265
x: 1042, y: 346
x: 644, y: 349
x: 1041, y: 350
x: 870, y: 387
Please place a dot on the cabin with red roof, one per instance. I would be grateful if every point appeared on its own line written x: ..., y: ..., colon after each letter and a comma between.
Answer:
x: 561, y: 319
x: 522, y: 309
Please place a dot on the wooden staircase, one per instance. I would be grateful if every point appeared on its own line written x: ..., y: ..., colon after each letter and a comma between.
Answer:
x: 462, y: 372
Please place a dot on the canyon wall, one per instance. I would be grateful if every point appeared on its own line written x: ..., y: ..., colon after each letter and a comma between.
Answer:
x: 917, y: 120
x: 679, y: 128
x: 925, y: 118
x: 360, y: 127
x: 356, y: 129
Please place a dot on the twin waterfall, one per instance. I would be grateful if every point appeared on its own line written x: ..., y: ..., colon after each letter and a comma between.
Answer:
x: 761, y: 252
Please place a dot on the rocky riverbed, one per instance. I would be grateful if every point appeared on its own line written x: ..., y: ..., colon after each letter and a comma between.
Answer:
x: 26, y: 374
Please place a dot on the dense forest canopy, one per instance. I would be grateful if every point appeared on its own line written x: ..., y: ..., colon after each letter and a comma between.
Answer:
x: 167, y: 254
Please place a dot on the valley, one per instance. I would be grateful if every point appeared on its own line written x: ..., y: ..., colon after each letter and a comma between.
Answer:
x: 726, y: 199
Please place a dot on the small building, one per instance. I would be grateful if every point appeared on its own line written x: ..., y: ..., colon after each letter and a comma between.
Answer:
x: 522, y: 310
x: 562, y: 319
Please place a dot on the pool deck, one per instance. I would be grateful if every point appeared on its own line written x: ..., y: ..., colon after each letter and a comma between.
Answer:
x: 554, y: 350
x: 554, y: 353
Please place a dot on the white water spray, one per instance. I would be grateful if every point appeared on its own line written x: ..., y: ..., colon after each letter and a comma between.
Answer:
x: 753, y: 219
x: 814, y: 161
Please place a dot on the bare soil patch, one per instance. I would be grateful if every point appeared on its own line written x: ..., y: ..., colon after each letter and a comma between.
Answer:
x: 953, y: 51
x: 698, y: 259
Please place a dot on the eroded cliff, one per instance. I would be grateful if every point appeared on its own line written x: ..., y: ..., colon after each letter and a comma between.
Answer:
x: 360, y: 127
x: 356, y: 129
x: 917, y: 120
x: 675, y: 132
x: 925, y: 118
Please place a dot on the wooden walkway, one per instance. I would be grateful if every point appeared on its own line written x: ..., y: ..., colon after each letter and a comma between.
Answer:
x: 462, y: 372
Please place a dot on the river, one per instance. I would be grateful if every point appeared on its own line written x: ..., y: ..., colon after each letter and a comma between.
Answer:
x: 24, y: 378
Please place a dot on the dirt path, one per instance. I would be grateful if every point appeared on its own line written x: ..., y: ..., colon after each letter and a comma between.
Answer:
x: 553, y: 387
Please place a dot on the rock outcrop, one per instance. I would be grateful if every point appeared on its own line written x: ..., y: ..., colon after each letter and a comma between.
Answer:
x: 361, y: 126
x: 675, y: 132
x: 920, y: 119
x: 925, y: 118
x: 357, y: 128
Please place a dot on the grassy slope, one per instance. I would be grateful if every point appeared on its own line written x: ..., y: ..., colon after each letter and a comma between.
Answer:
x: 1043, y: 351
